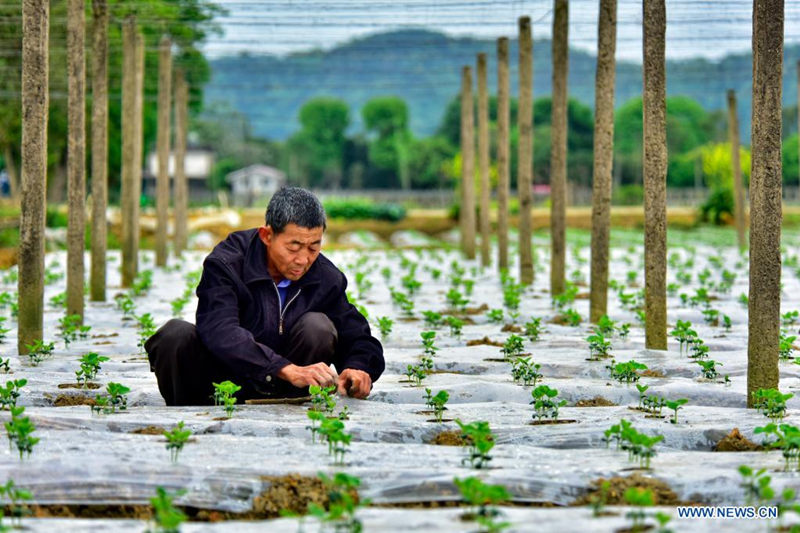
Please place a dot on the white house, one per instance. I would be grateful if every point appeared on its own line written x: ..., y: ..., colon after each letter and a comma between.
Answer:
x: 255, y: 182
x: 198, y: 164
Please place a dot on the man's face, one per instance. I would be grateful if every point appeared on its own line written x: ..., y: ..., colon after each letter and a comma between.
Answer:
x: 292, y: 252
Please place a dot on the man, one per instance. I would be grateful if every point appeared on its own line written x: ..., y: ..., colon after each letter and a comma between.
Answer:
x: 272, y: 316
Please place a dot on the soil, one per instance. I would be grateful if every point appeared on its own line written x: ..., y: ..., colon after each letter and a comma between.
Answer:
x: 450, y: 437
x: 476, y: 310
x: 736, y: 442
x: 652, y: 373
x: 292, y: 492
x: 91, y: 386
x: 484, y: 340
x: 512, y: 328
x: 105, y: 335
x: 443, y: 420
x: 66, y: 400
x: 597, y: 401
x: 408, y: 319
x: 662, y: 493
x: 550, y: 422
x: 148, y: 430
x: 559, y: 319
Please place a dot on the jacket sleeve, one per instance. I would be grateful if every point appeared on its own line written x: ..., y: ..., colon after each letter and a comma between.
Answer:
x: 219, y: 329
x: 356, y: 347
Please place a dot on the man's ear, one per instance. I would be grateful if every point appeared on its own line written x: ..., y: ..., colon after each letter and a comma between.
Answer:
x: 265, y: 234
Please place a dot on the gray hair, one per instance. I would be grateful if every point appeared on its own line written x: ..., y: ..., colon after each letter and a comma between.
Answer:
x: 293, y: 205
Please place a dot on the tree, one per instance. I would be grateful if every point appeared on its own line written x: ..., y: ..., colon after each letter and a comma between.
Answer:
x: 386, y: 122
x: 323, y: 121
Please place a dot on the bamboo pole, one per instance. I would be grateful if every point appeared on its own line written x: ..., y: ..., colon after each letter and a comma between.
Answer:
x: 483, y: 158
x: 467, y: 212
x: 99, y: 150
x: 128, y: 198
x: 525, y: 157
x: 558, y: 147
x: 502, y: 153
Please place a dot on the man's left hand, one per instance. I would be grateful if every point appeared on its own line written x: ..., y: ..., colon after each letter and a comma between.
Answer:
x: 355, y: 383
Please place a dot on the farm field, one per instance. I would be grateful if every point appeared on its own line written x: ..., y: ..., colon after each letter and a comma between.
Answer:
x: 94, y: 470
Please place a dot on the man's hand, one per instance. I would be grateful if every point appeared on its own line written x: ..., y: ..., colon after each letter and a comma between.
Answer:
x: 304, y: 376
x: 355, y: 383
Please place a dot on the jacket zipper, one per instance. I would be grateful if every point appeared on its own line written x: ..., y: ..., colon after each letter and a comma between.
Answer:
x: 283, y: 308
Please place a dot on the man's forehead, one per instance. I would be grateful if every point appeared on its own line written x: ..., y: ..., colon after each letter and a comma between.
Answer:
x: 295, y: 233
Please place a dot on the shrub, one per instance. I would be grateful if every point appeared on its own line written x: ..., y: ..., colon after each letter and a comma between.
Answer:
x: 363, y: 208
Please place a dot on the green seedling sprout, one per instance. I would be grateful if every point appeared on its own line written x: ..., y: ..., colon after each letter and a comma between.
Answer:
x: 495, y: 316
x: 790, y: 318
x: 3, y: 331
x: 343, y: 503
x: 416, y: 373
x: 599, y: 499
x: 545, y: 402
x: 771, y: 403
x: 455, y: 324
x: 480, y: 496
x: 176, y: 439
x: 709, y: 368
x: 599, y: 346
x: 224, y: 395
x: 71, y: 329
x: 332, y: 429
x: 561, y: 301
x: 785, y: 438
x: 39, y: 350
x: 90, y: 366
x: 627, y: 372
x: 385, y: 326
x: 727, y: 325
x: 674, y: 406
x: 166, y: 517
x: 323, y: 399
x: 19, y: 430
x: 10, y: 393
x: 683, y: 333
x: 642, y: 389
x: 115, y: 398
x: 456, y: 299
x: 147, y: 327
x: 654, y: 404
x: 433, y: 319
x: 438, y: 403
x: 786, y: 346
x: 698, y: 349
x: 316, y: 418
x: 572, y: 317
x: 125, y: 304
x: 605, y: 326
x: 142, y: 283
x: 533, y: 329
x: 756, y: 486
x: 428, y: 340
x: 525, y: 372
x: 15, y: 495
x: 638, y: 497
x: 481, y: 442
x: 512, y: 347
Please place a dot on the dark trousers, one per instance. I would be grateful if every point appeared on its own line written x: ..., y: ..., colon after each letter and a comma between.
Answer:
x: 185, y: 368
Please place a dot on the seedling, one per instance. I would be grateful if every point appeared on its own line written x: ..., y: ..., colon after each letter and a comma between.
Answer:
x: 343, y: 502
x: 147, y: 327
x: 699, y: 349
x: 545, y: 404
x: 456, y: 299
x: 166, y: 517
x: 39, y: 351
x: 615, y: 432
x: 178, y: 304
x: 90, y: 366
x: 572, y: 317
x: 756, y: 486
x: 323, y: 399
x: 3, y: 331
x: 642, y: 389
x: 771, y: 403
x: 654, y: 404
x: 709, y: 368
x: 125, y: 304
x: 415, y: 374
x: 674, y: 406
x: 142, y: 283
x: 71, y: 329
x: 481, y: 495
x: 438, y: 403
x: 456, y: 325
x: 19, y: 432
x: 114, y: 399
x: 316, y: 417
x: 638, y: 497
x: 786, y: 346
x: 428, y: 340
x: 224, y: 396
x: 726, y: 323
x: 790, y: 318
x: 533, y: 329
x: 10, y: 393
x: 711, y: 316
x: 684, y: 334
x: 605, y: 326
x: 522, y: 370
x: 332, y: 429
x: 627, y: 372
x: 176, y: 439
x: 495, y: 316
x: 512, y: 347
x: 787, y: 439
x: 385, y: 326
x: 512, y: 295
x: 433, y: 319
x: 481, y: 442
x: 599, y: 347
x: 15, y: 495
x: 561, y: 301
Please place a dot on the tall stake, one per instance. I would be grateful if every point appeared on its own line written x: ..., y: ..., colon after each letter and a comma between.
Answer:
x: 76, y: 156
x: 603, y: 156
x: 99, y: 149
x: 738, y: 187
x: 655, y: 175
x: 558, y: 147
x: 467, y: 212
x: 525, y: 156
x: 765, y: 199
x: 35, y: 29
x: 129, y: 200
x: 502, y: 153
x: 483, y: 157
x: 179, y: 183
x: 162, y: 141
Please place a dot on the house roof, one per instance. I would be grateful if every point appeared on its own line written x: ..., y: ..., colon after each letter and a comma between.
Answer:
x: 262, y: 170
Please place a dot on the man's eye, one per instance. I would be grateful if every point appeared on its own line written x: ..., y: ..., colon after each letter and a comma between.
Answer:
x: 294, y: 247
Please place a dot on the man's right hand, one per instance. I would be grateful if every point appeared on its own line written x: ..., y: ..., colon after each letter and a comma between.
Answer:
x: 303, y: 376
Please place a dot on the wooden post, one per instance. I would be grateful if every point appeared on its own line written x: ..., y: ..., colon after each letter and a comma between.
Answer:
x: 738, y: 187
x: 129, y: 200
x: 467, y: 211
x: 99, y: 150
x: 502, y: 153
x: 30, y: 284
x: 558, y: 147
x: 138, y: 140
x: 163, y: 142
x: 655, y: 174
x: 179, y: 183
x: 603, y: 156
x: 483, y: 158
x: 525, y: 156
x: 765, y: 199
x: 76, y: 156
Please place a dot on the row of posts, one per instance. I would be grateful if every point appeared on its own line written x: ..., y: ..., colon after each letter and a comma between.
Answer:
x: 765, y: 181
x: 35, y: 21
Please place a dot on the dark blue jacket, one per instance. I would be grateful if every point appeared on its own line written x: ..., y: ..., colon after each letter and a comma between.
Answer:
x: 238, y: 312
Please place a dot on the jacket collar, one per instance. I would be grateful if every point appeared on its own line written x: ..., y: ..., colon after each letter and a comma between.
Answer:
x: 255, y: 264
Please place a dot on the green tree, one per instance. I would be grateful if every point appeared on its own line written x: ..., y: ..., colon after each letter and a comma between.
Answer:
x: 321, y: 140
x: 386, y: 121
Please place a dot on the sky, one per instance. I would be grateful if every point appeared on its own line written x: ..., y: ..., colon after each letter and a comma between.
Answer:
x: 695, y: 28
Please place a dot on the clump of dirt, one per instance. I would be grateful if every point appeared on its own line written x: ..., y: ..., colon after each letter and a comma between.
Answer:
x: 450, y: 437
x: 549, y: 422
x: 140, y: 512
x: 662, y: 493
x: 292, y: 492
x: 476, y: 310
x: 736, y: 442
x: 105, y: 335
x: 66, y: 400
x: 513, y: 328
x: 560, y: 319
x: 484, y: 340
x: 582, y: 295
x: 652, y: 373
x: 91, y: 386
x: 597, y: 401
x: 148, y: 430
